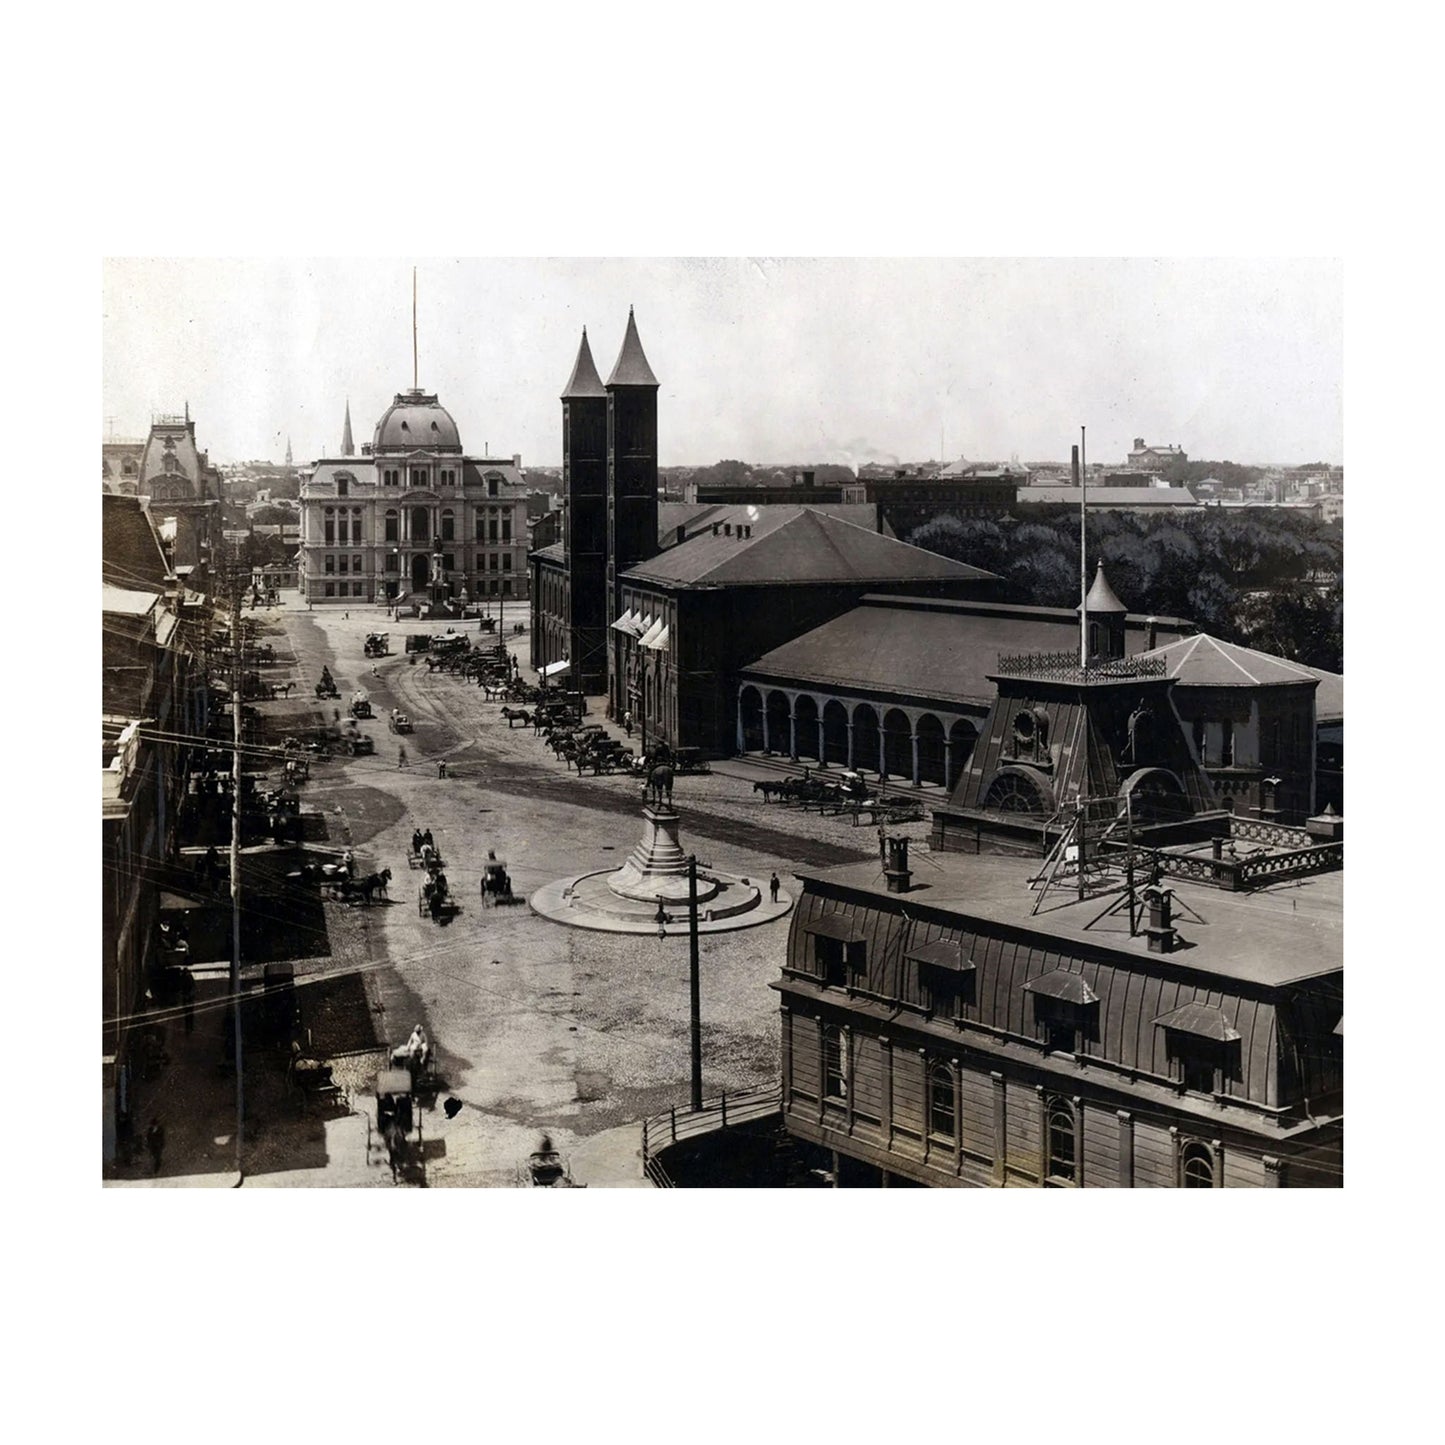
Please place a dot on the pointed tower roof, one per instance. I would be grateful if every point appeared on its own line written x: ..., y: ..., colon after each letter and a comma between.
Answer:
x: 632, y: 368
x: 584, y: 380
x: 1101, y: 596
x: 288, y: 451
x: 347, y: 449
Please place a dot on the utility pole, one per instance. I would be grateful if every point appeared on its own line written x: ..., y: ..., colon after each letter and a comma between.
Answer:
x: 237, y: 676
x: 694, y: 991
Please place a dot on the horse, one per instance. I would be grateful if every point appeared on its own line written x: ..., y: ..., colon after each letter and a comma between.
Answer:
x: 395, y: 1137
x: 372, y: 884
x: 659, y: 783
x: 767, y: 789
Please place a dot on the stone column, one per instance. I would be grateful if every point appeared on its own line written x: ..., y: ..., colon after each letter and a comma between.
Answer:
x: 793, y: 728
x: 742, y: 737
x: 914, y: 737
x: 767, y: 742
x: 947, y: 762
x: 850, y: 742
x: 822, y: 743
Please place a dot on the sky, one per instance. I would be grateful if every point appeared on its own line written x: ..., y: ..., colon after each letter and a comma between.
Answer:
x: 765, y: 360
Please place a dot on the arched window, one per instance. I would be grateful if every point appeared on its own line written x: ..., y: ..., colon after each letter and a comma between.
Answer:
x: 1059, y: 1147
x: 1196, y: 1166
x: 420, y: 524
x: 418, y: 474
x: 393, y: 524
x: 942, y: 1101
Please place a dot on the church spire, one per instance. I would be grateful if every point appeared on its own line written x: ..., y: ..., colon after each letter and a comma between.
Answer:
x: 584, y: 380
x: 288, y: 451
x: 347, y: 449
x: 632, y: 368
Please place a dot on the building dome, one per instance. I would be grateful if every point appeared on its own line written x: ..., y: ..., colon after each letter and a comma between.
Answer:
x: 416, y: 421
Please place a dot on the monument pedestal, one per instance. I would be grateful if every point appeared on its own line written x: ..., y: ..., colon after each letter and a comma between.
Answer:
x: 657, y: 867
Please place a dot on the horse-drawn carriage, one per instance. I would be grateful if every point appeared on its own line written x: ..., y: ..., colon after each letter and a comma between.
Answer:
x: 399, y: 722
x: 264, y: 653
x: 397, y: 1116
x: 496, y: 883
x: 545, y: 1168
x: 327, y: 688
x: 361, y: 704
x: 355, y: 743
x: 418, y: 1058
x: 377, y: 644
x: 435, y: 897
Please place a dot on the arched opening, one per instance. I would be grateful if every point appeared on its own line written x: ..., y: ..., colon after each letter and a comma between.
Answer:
x: 897, y: 744
x: 962, y: 736
x: 420, y: 571
x: 1061, y: 1154
x: 835, y: 732
x: 942, y: 1103
x: 1019, y: 790
x: 1154, y: 795
x: 750, y: 708
x: 805, y: 710
x: 778, y: 733
x: 930, y: 750
x: 420, y: 524
x: 866, y: 752
x: 1197, y: 1167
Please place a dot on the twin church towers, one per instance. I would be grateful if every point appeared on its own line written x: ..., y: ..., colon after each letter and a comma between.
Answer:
x: 609, y: 481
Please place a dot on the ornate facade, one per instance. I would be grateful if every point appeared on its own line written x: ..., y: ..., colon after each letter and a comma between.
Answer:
x: 413, y: 517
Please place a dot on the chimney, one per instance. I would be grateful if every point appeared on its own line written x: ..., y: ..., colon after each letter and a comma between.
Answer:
x: 1159, y: 903
x: 727, y: 529
x: 1074, y: 464
x: 681, y: 533
x: 1152, y: 637
x: 714, y: 528
x: 896, y: 869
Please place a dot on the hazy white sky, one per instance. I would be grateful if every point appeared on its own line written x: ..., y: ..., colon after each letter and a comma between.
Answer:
x: 765, y: 360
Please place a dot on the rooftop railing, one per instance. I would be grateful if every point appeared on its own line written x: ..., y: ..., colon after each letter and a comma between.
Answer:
x: 1064, y: 667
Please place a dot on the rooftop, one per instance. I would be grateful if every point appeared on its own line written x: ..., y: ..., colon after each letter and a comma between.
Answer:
x: 1108, y: 496
x: 796, y: 544
x: 939, y: 649
x: 1205, y: 661
x: 1270, y: 937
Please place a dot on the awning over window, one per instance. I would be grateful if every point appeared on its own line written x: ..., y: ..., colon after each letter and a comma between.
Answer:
x: 649, y: 638
x: 628, y: 623
x: 1061, y: 984
x: 942, y: 953
x: 556, y: 669
x: 1340, y: 1027
x: 659, y: 642
x: 833, y: 925
x: 1203, y: 1020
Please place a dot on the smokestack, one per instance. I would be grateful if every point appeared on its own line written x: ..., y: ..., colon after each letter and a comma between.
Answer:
x: 1074, y: 465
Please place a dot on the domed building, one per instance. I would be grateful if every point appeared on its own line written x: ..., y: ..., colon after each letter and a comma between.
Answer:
x: 412, y: 518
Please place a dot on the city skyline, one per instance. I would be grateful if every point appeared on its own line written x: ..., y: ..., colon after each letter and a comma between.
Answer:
x: 769, y: 361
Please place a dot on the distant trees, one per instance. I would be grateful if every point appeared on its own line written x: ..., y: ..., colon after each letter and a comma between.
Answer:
x: 1261, y: 577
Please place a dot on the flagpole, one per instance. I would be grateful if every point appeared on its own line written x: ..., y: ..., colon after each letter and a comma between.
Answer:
x: 413, y: 330
x: 1083, y: 555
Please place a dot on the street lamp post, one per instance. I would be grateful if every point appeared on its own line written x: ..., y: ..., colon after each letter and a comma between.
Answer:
x: 694, y: 984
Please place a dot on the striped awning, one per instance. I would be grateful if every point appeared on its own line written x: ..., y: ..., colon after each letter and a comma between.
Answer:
x: 655, y: 628
x: 658, y: 640
x: 942, y: 953
x: 1061, y: 984
x: 1203, y: 1020
x: 628, y: 623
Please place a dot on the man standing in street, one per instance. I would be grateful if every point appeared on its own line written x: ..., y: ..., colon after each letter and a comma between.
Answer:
x: 773, y: 886
x: 155, y: 1144
x: 401, y: 756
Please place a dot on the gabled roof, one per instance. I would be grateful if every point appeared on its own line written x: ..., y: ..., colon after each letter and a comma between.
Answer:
x: 632, y: 368
x: 697, y: 517
x: 801, y: 545
x: 584, y: 380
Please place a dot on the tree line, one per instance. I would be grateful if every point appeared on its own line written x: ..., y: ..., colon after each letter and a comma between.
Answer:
x: 1262, y: 577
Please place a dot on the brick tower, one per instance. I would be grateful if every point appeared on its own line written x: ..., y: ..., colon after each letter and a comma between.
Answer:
x: 631, y: 464
x: 584, y: 519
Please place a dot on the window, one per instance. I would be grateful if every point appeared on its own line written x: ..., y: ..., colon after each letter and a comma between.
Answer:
x: 1059, y: 1150
x: 330, y: 590
x: 942, y: 1101
x: 506, y: 529
x: 393, y: 524
x: 1226, y: 743
x: 330, y: 563
x: 448, y: 527
x: 492, y: 486
x: 356, y: 564
x: 1058, y: 1024
x: 342, y: 483
x: 420, y: 524
x: 343, y: 529
x: 1201, y: 740
x: 506, y: 562
x: 393, y: 562
x: 506, y: 586
x: 481, y: 529
x: 491, y: 529
x: 343, y: 568
x: 1196, y: 1166
x: 330, y: 528
x: 491, y: 562
x: 449, y: 562
x: 418, y: 476
x: 391, y: 477
x: 357, y: 590
x: 835, y: 1063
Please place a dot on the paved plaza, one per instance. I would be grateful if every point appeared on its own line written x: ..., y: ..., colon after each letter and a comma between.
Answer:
x: 538, y: 1027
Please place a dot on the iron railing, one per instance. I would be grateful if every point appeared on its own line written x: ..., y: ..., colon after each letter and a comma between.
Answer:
x: 662, y: 1131
x: 1239, y: 874
x: 1064, y: 666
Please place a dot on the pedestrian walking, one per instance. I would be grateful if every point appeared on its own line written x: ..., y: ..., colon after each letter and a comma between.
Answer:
x: 349, y: 863
x: 374, y: 672
x: 427, y: 839
x: 346, y: 617
x: 400, y: 756
x: 773, y: 886
x: 188, y: 999
x: 155, y: 1144
x: 442, y: 768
